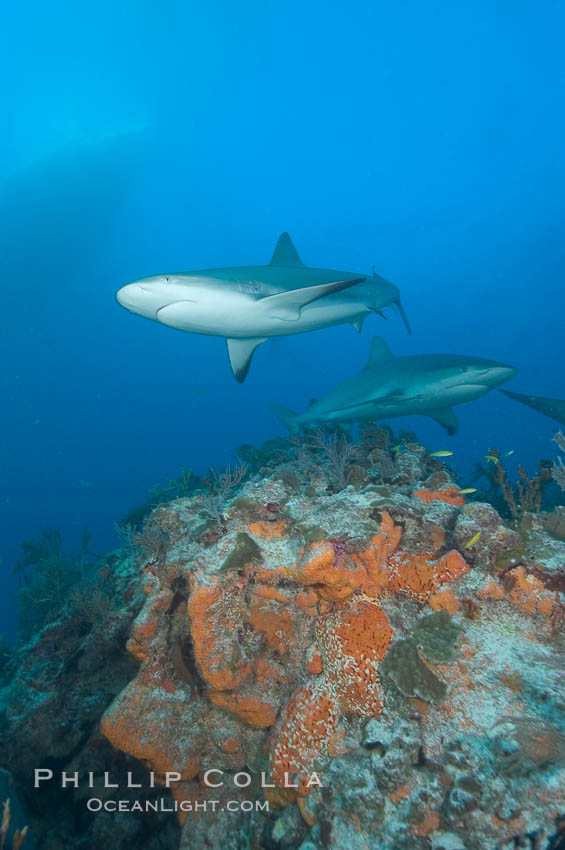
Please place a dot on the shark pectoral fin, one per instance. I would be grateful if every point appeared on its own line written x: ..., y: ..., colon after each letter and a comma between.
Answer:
x: 285, y: 254
x: 552, y: 407
x: 446, y: 418
x: 358, y: 324
x: 240, y: 352
x: 379, y: 353
x: 287, y: 305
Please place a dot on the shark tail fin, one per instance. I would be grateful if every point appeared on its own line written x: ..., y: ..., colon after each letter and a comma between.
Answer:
x: 286, y: 416
x: 403, y: 315
x: 285, y: 254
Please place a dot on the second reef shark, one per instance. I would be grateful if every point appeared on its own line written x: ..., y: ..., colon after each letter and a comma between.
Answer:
x: 388, y: 387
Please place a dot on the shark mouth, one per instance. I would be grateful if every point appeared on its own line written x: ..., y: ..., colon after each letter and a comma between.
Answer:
x: 169, y: 312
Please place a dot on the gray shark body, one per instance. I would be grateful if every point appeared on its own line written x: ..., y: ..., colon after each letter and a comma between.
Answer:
x: 249, y: 304
x: 552, y: 407
x: 388, y: 387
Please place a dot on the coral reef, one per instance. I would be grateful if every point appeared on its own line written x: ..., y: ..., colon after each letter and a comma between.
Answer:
x: 55, y: 687
x: 324, y: 643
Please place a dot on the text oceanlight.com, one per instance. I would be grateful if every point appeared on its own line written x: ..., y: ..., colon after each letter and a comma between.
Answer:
x: 212, y: 778
x: 95, y: 804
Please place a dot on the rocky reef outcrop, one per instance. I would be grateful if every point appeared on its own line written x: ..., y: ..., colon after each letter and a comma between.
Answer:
x: 375, y: 665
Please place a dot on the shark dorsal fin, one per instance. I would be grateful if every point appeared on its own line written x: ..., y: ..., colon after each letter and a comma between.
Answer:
x: 379, y: 353
x: 285, y: 254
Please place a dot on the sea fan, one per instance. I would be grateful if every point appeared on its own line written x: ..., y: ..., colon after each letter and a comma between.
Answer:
x: 559, y: 468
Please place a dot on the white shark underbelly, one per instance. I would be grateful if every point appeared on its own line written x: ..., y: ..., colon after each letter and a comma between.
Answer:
x: 397, y: 403
x: 243, y: 317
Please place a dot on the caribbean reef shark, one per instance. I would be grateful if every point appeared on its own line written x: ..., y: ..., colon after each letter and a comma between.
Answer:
x: 388, y: 386
x: 249, y: 304
x: 552, y: 407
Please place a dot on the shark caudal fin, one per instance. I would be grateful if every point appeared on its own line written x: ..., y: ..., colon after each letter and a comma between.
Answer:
x: 285, y: 254
x: 403, y: 315
x: 240, y: 352
x: 286, y: 416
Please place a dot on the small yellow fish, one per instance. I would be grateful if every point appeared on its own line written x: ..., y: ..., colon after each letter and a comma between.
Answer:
x: 467, y: 490
x: 398, y: 448
x: 493, y: 458
x: 441, y: 454
x: 473, y: 540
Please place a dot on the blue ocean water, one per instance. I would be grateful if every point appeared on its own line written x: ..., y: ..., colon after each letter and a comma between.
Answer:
x: 426, y: 139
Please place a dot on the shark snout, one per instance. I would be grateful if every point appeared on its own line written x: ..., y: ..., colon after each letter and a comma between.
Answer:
x: 130, y: 296
x: 499, y: 374
x: 142, y: 298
